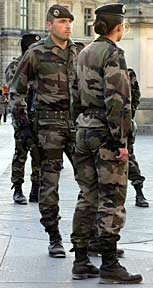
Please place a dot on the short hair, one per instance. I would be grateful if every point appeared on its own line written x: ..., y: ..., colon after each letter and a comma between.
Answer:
x: 50, y: 17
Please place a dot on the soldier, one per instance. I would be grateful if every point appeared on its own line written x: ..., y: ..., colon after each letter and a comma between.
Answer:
x: 21, y: 146
x: 102, y: 111
x: 134, y: 174
x: 50, y: 64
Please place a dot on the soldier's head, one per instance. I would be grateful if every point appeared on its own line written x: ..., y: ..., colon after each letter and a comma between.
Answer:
x: 27, y: 40
x: 110, y: 18
x: 59, y: 22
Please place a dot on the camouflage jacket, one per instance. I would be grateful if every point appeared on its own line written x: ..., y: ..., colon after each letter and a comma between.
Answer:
x: 52, y: 71
x: 103, y: 84
x: 135, y: 91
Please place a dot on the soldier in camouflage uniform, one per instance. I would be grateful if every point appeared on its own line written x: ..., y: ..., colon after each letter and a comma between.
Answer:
x: 102, y: 111
x: 51, y: 65
x: 21, y: 146
x: 134, y: 174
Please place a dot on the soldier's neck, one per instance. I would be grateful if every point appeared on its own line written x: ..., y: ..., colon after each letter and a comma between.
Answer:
x: 60, y: 43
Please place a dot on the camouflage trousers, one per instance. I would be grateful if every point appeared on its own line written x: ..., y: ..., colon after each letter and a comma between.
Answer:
x: 134, y: 173
x: 19, y: 159
x: 103, y: 184
x: 54, y: 138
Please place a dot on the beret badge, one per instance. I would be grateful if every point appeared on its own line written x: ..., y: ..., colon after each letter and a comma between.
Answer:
x: 123, y: 9
x: 56, y: 12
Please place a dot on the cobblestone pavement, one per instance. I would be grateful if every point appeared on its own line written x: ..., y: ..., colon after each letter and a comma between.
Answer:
x: 24, y: 261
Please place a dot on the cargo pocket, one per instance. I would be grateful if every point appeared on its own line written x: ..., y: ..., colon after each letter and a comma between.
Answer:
x: 111, y: 171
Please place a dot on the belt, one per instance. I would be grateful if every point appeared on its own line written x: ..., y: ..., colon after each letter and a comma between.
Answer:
x: 47, y: 114
x: 96, y: 113
x: 94, y: 110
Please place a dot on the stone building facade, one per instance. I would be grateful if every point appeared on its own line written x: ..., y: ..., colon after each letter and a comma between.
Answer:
x: 18, y: 17
x: 138, y: 46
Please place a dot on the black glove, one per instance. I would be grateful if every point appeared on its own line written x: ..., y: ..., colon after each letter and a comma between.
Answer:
x: 26, y: 133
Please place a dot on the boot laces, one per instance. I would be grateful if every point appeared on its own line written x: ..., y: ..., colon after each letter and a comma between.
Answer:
x: 56, y: 239
x: 119, y: 266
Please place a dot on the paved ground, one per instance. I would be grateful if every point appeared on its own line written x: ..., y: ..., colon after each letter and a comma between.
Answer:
x: 24, y: 262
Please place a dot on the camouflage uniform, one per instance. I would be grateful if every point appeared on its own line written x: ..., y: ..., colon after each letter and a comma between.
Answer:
x: 134, y: 174
x: 22, y: 147
x: 21, y: 150
x: 103, y: 126
x: 52, y: 70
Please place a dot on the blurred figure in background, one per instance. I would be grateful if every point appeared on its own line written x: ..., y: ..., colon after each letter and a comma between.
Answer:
x: 134, y: 171
x: 21, y: 146
x: 4, y: 99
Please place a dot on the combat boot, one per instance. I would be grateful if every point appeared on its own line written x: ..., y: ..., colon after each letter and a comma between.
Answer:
x: 117, y: 274
x: 111, y: 272
x: 94, y: 251
x: 55, y: 247
x: 33, y: 196
x: 82, y: 267
x: 140, y: 199
x: 18, y: 196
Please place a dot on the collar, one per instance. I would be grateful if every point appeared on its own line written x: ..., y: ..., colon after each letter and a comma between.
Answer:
x: 104, y: 39
x: 49, y: 43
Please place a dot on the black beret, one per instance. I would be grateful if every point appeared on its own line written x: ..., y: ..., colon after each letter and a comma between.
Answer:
x: 111, y: 9
x: 30, y: 38
x: 59, y: 11
x: 27, y: 40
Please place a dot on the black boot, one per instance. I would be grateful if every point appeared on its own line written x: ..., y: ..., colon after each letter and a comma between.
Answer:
x: 55, y: 247
x: 82, y: 267
x: 140, y: 199
x: 18, y: 196
x: 111, y: 272
x: 94, y: 251
x: 33, y: 196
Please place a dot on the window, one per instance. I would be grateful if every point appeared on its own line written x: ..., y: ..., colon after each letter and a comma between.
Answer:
x: 24, y: 14
x: 88, y: 22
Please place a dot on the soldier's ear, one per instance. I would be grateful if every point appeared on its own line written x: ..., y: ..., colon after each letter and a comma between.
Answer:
x: 119, y: 27
x: 49, y: 25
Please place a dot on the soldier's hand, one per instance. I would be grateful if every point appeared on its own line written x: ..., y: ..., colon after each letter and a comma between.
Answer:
x: 123, y: 154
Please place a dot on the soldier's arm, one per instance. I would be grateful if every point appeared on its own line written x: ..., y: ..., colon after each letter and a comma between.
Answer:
x: 135, y: 96
x: 135, y: 91
x: 24, y: 73
x: 118, y: 98
x: 75, y: 102
x: 76, y: 108
x: 10, y: 71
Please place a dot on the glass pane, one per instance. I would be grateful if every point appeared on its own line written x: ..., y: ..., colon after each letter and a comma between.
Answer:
x: 25, y: 22
x: 21, y: 3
